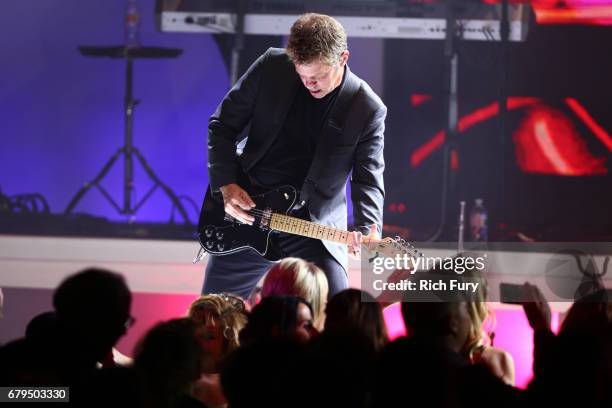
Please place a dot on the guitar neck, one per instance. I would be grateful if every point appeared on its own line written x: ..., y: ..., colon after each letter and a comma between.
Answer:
x: 297, y: 226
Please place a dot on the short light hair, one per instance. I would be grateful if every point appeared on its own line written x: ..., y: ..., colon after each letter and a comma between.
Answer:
x: 297, y: 277
x: 225, y: 310
x: 316, y: 37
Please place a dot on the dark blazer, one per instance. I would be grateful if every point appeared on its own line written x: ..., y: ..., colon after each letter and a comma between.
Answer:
x: 352, y: 140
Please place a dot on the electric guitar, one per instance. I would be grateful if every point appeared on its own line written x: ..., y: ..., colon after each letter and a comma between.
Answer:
x: 221, y: 234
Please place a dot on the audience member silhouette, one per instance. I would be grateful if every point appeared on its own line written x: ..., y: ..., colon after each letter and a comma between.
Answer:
x: 430, y: 364
x: 572, y: 368
x: 269, y: 372
x: 167, y: 362
x: 92, y: 311
x: 344, y: 363
x: 354, y: 309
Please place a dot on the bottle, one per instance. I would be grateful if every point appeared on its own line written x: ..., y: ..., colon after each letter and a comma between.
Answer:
x: 132, y: 25
x: 461, y: 236
x: 478, y: 222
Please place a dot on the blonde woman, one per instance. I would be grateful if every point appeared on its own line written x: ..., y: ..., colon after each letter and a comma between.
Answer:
x: 297, y: 277
x: 222, y: 317
x: 478, y: 348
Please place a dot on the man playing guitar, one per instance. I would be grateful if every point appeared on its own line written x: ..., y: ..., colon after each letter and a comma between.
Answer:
x: 312, y: 124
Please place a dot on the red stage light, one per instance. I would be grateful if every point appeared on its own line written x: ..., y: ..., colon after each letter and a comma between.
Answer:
x: 547, y: 142
x: 597, y: 130
x: 466, y: 122
x: 419, y: 99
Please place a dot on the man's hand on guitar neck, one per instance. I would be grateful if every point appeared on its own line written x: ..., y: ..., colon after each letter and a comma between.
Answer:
x: 237, y: 202
x: 354, y: 247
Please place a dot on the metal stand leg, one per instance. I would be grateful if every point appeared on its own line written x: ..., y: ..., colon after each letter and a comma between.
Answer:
x: 96, y: 183
x: 157, y: 182
x: 127, y: 150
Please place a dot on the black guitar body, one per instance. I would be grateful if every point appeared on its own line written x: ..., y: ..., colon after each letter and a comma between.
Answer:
x: 221, y: 234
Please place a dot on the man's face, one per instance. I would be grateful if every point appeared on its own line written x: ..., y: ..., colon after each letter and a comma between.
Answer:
x: 321, y: 78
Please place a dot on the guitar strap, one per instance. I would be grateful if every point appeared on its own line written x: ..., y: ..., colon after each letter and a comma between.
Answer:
x: 334, y: 126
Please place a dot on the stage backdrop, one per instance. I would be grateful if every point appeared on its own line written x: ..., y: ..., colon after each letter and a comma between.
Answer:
x: 62, y: 113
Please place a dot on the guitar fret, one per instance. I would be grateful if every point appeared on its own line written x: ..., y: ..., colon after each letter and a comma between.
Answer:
x: 305, y: 228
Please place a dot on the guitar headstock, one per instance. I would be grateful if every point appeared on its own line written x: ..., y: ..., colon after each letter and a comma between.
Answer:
x: 390, y: 247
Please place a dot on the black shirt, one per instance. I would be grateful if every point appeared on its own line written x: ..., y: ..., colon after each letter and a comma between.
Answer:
x: 290, y: 156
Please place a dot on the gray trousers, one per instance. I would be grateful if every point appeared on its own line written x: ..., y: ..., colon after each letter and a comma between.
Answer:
x: 238, y: 273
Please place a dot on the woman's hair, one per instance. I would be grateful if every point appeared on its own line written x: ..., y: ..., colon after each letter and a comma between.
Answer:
x: 296, y: 277
x: 316, y: 37
x: 476, y: 303
x: 356, y: 309
x: 225, y: 310
x: 273, y: 317
x: 478, y: 310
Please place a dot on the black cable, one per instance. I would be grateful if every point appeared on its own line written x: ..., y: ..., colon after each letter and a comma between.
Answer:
x: 195, y: 206
x: 191, y: 201
x: 34, y: 203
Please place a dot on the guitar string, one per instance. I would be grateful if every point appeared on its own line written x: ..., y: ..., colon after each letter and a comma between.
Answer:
x: 256, y: 212
x: 300, y: 222
x: 292, y: 221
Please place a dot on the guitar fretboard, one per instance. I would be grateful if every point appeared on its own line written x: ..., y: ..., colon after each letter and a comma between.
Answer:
x: 305, y: 228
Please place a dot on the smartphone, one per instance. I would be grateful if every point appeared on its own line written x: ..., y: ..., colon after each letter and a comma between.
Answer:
x: 510, y: 293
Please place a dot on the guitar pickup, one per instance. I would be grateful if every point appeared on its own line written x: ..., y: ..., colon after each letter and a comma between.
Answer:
x: 264, y: 222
